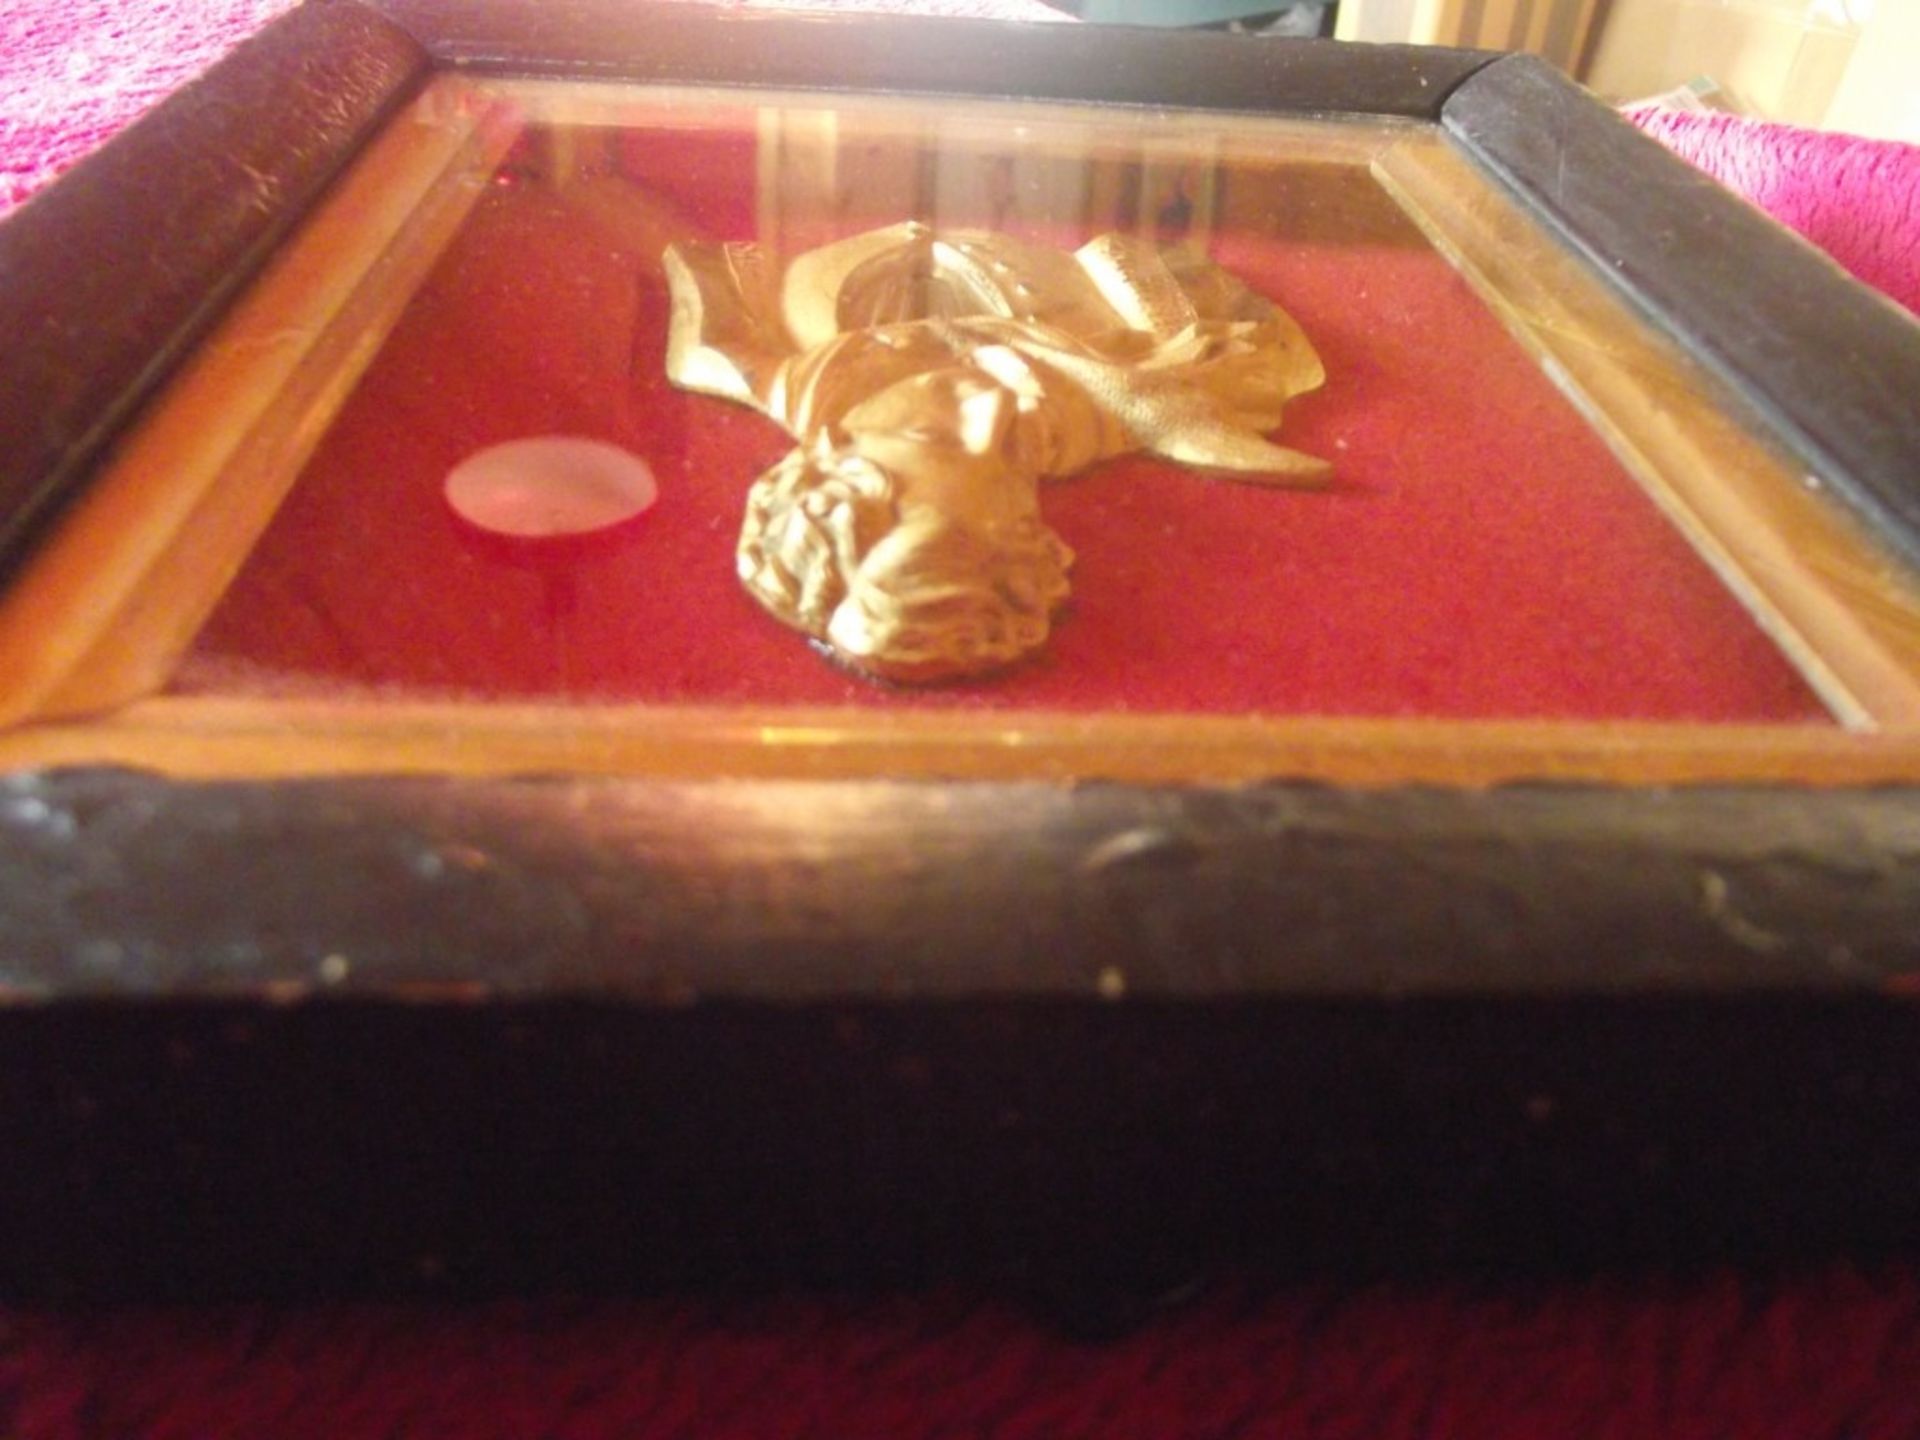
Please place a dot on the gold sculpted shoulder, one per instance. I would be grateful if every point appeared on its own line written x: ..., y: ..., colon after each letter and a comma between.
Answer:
x: 932, y: 383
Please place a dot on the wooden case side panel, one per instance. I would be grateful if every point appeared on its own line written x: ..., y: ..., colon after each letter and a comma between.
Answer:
x: 110, y: 276
x: 1090, y: 1155
x: 121, y: 886
x: 1831, y: 366
x: 621, y: 40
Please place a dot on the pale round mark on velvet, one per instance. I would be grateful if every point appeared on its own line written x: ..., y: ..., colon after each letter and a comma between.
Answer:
x: 550, y: 486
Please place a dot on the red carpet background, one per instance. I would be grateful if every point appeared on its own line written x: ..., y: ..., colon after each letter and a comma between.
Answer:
x: 1831, y: 1352
x: 1834, y: 1354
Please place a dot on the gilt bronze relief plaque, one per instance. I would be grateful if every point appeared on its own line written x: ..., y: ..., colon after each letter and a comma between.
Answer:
x: 933, y: 383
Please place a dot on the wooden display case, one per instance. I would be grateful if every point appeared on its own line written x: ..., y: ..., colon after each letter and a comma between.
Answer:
x: 1508, y: 853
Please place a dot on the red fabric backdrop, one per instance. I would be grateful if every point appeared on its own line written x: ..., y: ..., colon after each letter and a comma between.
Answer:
x: 1482, y: 554
x: 1824, y: 1353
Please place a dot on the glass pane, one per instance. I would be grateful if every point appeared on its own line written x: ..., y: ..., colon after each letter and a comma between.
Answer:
x: 1481, y: 552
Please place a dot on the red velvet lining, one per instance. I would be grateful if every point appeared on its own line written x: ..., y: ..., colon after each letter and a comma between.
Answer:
x: 1483, y: 555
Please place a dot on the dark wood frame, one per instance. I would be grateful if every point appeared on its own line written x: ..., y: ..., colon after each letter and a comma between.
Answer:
x: 331, y: 1032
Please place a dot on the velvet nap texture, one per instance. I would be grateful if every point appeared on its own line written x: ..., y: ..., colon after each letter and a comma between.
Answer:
x: 1855, y: 198
x: 1830, y: 1354
x: 74, y: 72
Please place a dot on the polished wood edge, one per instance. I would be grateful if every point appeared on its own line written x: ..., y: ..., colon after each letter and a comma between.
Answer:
x: 1836, y: 600
x: 101, y: 611
x: 635, y: 40
x: 109, y: 277
x: 208, y: 737
x: 462, y: 892
x: 1829, y: 363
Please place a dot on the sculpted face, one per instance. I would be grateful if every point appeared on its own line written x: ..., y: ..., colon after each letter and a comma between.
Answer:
x: 904, y: 539
x: 933, y: 384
